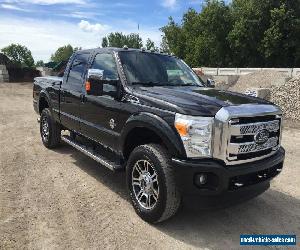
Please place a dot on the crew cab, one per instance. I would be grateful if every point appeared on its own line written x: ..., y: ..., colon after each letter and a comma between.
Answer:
x: 149, y: 114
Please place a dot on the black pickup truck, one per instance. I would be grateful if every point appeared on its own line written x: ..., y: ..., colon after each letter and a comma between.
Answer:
x: 149, y: 114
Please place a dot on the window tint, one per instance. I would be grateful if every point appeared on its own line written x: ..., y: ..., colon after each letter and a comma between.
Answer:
x: 77, y: 71
x: 106, y: 62
x: 157, y: 69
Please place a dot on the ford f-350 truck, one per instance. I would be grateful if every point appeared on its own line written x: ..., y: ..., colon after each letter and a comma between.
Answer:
x: 149, y: 114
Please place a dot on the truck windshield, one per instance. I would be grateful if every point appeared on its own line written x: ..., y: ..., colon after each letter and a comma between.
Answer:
x: 151, y: 69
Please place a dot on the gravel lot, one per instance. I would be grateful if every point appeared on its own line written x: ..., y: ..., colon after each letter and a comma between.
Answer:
x: 61, y: 199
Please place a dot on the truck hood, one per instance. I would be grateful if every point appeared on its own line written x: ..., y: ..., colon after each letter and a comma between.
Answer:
x: 192, y: 100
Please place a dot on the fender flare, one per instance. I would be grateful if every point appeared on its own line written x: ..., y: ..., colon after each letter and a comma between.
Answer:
x: 159, y: 126
x: 44, y: 94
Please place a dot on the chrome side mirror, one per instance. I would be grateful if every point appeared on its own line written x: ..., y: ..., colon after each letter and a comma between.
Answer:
x: 210, y: 83
x: 95, y: 74
x: 96, y: 85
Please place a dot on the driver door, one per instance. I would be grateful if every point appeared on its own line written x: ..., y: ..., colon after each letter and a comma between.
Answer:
x: 100, y: 113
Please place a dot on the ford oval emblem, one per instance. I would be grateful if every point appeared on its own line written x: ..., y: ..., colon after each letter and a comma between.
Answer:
x: 262, y: 136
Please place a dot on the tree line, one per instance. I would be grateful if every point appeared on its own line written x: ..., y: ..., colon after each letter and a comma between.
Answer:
x: 21, y: 56
x: 252, y: 33
x: 244, y: 33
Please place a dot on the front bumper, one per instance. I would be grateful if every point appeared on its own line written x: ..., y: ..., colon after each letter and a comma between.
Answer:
x: 223, y: 179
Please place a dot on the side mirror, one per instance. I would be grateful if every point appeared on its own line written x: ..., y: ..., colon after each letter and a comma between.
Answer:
x: 96, y: 74
x: 210, y: 83
x: 97, y: 86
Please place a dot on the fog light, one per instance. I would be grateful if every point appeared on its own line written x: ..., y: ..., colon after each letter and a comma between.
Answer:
x: 202, y: 179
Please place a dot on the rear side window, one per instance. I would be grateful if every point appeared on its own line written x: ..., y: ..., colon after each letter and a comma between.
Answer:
x: 106, y: 62
x: 77, y: 71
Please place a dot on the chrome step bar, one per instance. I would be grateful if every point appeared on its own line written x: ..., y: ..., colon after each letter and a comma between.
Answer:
x: 98, y: 158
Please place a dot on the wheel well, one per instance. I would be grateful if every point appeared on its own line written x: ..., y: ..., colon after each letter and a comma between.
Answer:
x: 140, y: 136
x: 43, y: 104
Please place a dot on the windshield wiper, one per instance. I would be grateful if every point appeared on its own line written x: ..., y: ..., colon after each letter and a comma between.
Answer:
x: 153, y: 84
x: 150, y: 83
x: 190, y: 84
x: 186, y: 84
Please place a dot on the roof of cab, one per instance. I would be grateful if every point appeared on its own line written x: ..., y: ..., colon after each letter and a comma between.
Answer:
x: 113, y: 49
x: 106, y: 49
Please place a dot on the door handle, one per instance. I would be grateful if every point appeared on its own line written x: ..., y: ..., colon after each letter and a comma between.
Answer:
x: 82, y: 98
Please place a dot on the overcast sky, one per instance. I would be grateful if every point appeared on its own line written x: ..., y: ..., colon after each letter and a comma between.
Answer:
x: 45, y: 25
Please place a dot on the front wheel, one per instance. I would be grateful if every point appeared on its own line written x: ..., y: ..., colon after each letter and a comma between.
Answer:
x: 151, y: 183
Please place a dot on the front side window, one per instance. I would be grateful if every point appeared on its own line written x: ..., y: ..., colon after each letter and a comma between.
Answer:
x: 77, y: 71
x: 151, y: 69
x: 107, y: 64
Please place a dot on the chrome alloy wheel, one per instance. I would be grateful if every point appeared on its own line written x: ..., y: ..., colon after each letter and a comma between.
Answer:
x: 45, y: 129
x: 145, y: 184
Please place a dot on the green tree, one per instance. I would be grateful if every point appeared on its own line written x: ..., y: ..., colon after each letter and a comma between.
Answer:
x: 280, y: 45
x: 104, y: 42
x: 175, y: 38
x: 250, y: 33
x: 62, y: 54
x: 164, y: 46
x: 118, y: 39
x: 19, y: 55
x: 134, y: 41
x: 210, y: 47
x: 250, y: 20
x: 149, y: 44
x: 201, y: 38
x: 40, y: 63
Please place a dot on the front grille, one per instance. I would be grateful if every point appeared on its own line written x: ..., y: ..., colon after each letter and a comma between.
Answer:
x: 250, y: 138
x: 246, y: 133
x: 252, y: 128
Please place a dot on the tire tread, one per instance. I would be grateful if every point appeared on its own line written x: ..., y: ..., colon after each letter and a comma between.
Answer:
x: 55, y: 131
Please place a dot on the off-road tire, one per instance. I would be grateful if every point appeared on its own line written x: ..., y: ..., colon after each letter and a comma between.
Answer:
x: 53, y: 139
x: 169, y: 198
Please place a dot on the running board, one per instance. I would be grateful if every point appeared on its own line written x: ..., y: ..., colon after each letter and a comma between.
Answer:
x: 97, y: 157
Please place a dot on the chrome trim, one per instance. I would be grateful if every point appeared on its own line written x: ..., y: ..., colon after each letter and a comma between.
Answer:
x: 250, y: 147
x: 228, y: 117
x: 253, y: 128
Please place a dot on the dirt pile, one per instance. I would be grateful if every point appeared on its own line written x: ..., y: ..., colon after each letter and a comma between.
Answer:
x: 285, y: 94
x: 287, y: 97
x: 259, y: 79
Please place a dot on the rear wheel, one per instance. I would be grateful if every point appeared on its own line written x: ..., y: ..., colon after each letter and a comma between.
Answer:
x: 151, y: 183
x: 49, y: 129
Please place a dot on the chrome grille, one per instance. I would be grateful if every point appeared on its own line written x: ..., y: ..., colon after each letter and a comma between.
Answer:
x: 247, y: 133
x: 250, y: 147
x: 253, y: 128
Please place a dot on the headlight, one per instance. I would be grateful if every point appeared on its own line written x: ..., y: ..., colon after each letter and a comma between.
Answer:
x: 196, y: 133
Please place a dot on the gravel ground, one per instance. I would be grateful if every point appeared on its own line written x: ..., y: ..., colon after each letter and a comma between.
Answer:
x: 287, y: 97
x: 60, y: 199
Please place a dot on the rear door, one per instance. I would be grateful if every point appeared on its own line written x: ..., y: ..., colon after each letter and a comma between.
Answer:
x: 71, y: 92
